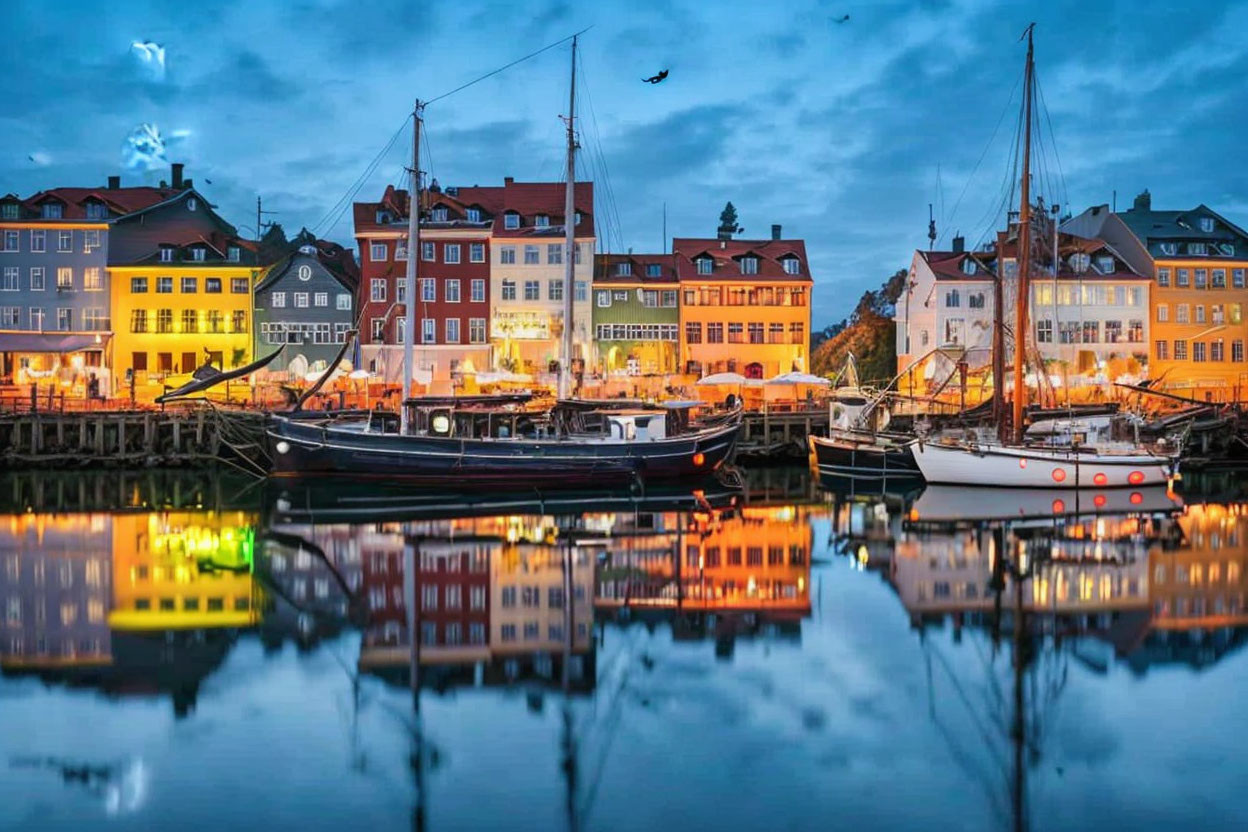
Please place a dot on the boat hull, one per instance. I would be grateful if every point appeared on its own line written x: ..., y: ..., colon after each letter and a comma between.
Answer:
x: 862, y: 459
x: 301, y: 449
x: 1005, y: 467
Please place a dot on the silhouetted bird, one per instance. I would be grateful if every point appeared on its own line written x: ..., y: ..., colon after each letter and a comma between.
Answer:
x: 654, y: 79
x: 844, y: 19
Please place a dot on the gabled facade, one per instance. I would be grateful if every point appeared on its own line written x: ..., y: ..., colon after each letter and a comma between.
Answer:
x: 636, y: 314
x: 55, y: 315
x: 1197, y: 260
x: 305, y: 301
x: 948, y: 303
x: 182, y: 282
x: 744, y: 305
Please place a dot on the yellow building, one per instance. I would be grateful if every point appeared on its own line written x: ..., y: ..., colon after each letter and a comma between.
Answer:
x: 183, y: 570
x: 181, y: 291
x: 744, y: 306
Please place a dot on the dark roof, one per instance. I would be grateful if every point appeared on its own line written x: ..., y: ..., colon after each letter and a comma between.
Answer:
x: 727, y: 255
x: 949, y: 265
x: 120, y: 201
x: 1181, y: 228
x: 606, y: 268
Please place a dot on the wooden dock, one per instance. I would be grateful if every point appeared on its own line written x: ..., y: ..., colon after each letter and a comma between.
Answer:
x: 781, y: 434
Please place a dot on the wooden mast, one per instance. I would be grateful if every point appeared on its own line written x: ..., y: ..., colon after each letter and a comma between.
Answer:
x: 1024, y: 253
x: 413, y: 260
x: 569, y: 242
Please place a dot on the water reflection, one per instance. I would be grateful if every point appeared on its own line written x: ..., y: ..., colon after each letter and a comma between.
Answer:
x: 418, y: 619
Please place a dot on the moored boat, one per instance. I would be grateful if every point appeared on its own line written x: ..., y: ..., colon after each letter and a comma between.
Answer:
x: 1006, y: 466
x: 864, y: 455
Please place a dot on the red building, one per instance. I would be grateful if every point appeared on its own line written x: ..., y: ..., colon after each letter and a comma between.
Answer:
x: 453, y: 290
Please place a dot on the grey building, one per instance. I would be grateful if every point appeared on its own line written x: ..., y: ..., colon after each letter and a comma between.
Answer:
x: 55, y: 316
x: 306, y: 301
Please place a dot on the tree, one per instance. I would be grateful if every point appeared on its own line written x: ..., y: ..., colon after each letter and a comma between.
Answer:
x: 728, y: 222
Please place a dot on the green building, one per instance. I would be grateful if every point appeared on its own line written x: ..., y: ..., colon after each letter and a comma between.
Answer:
x: 636, y: 316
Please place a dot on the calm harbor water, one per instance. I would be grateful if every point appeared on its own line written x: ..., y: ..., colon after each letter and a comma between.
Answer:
x: 200, y: 652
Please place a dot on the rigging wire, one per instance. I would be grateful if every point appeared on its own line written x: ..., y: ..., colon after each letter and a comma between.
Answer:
x: 331, y: 217
x: 494, y: 72
x: 1053, y: 139
x: 612, y: 213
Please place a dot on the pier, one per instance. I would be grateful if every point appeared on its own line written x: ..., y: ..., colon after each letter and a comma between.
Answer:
x: 780, y: 433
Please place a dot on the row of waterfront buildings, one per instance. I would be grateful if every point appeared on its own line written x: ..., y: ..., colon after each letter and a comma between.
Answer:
x: 1136, y: 292
x: 133, y: 285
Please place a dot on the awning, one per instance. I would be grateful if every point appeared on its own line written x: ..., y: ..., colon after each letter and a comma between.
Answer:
x: 50, y: 341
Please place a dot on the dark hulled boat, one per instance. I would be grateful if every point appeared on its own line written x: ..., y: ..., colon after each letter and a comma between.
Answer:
x: 863, y: 455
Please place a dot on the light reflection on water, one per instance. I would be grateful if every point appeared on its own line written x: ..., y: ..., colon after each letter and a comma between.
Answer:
x: 194, y: 651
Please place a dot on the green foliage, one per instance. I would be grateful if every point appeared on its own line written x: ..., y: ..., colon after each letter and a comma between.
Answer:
x: 868, y: 334
x: 728, y: 221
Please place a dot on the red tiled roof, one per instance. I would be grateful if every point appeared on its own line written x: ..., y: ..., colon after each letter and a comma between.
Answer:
x: 605, y: 268
x: 119, y: 200
x: 727, y: 254
x: 528, y: 199
x: 947, y: 265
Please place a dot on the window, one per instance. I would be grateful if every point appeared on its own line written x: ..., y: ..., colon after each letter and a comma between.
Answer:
x: 749, y: 265
x: 1198, y: 351
x: 400, y: 291
x: 36, y: 319
x: 239, y: 285
x: 1237, y: 278
x: 9, y: 211
x: 541, y: 221
x: 38, y: 240
x: 693, y: 332
x: 1113, y: 332
x: 452, y: 330
x: 1200, y: 313
x: 65, y: 241
x: 1044, y: 331
x: 438, y: 214
x: 735, y: 332
x: 428, y: 331
x: 216, y: 321
x: 10, y: 316
x: 428, y: 289
x: 1163, y: 313
x: 164, y: 320
x: 1217, y: 351
x: 92, y: 279
x: 1180, y: 350
x: 476, y: 252
x: 797, y: 332
x: 604, y: 298
x: 64, y: 278
x: 197, y: 254
x: 450, y: 253
x: 1135, y: 331
x: 1135, y: 297
x: 343, y: 302
x: 714, y: 333
x: 320, y: 299
x: 1182, y: 313
x: 792, y: 265
x: 532, y: 290
x: 301, y: 300
x: 705, y: 265
x: 232, y: 253
x: 37, y: 279
x: 1162, y: 348
x: 277, y: 300
x: 756, y: 333
x: 1206, y: 224
x: 1218, y: 279
x: 212, y: 285
x: 452, y: 291
x: 531, y: 256
x: 1197, y: 248
x: 377, y: 252
x: 507, y: 255
x: 511, y: 221
x: 582, y: 291
x: 1091, y: 332
x: 554, y: 290
x: 509, y: 290
x: 477, y: 289
x: 11, y: 241
x: 649, y: 298
x: 1182, y: 278
x: 952, y: 299
x: 64, y: 319
x: 1163, y: 277
x: 400, y: 331
x: 1237, y: 350
x: 238, y: 321
x: 10, y: 281
x: 428, y: 251
x: 377, y: 290
x: 775, y: 333
x: 476, y: 330
x: 975, y: 300
x: 190, y: 320
x: 1202, y: 278
x: 378, y: 329
x: 474, y: 215
x: 190, y: 285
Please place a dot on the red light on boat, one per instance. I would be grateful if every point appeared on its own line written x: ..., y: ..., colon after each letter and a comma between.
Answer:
x: 1099, y: 501
x: 914, y: 515
x: 1022, y: 463
x: 1059, y: 507
x: 1135, y: 477
x: 1100, y: 479
x: 1059, y: 475
x: 1136, y: 498
x: 698, y: 459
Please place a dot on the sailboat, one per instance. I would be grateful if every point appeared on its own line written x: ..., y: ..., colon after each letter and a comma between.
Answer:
x: 465, y: 445
x: 1064, y: 459
x: 858, y: 445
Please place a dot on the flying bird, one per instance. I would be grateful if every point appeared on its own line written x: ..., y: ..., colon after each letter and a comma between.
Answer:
x: 844, y: 19
x: 654, y: 79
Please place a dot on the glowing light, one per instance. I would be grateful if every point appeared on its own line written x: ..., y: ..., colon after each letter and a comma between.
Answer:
x: 283, y: 447
x: 441, y: 423
x: 1136, y: 498
x: 1135, y: 477
x: 698, y: 459
x: 1058, y: 506
x: 1059, y: 475
x: 1100, y: 479
x: 914, y: 515
x: 1098, y: 500
x: 1022, y: 463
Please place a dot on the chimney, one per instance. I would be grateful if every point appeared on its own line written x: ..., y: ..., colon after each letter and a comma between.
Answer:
x: 959, y: 244
x: 177, y: 176
x: 1143, y: 202
x: 775, y: 232
x: 188, y: 184
x: 507, y: 180
x: 114, y: 182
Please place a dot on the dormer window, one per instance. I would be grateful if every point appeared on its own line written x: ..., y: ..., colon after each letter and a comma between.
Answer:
x: 51, y: 211
x: 1227, y: 248
x: 1079, y: 262
x: 1169, y: 249
x: 792, y: 265
x: 9, y: 211
x: 474, y: 215
x: 192, y: 204
x: 197, y: 254
x: 577, y: 221
x: 1105, y: 265
x: 511, y: 221
x: 749, y: 265
x: 1206, y: 224
x: 166, y: 254
x: 969, y: 266
x: 439, y: 214
x: 383, y: 217
x: 1196, y: 248
x: 97, y: 211
x: 624, y: 269
x: 232, y: 254
x: 654, y: 270
x: 542, y: 221
x: 705, y: 265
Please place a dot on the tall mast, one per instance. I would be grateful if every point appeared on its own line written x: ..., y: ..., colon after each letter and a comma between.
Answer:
x: 569, y: 242
x: 413, y: 259
x: 1024, y: 252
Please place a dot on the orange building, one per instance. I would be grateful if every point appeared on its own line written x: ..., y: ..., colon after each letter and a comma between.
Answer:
x: 744, y: 305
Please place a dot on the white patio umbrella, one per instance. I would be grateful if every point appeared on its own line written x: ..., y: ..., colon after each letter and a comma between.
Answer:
x: 800, y: 378
x: 723, y: 378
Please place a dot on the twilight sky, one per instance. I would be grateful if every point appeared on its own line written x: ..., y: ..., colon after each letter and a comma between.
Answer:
x: 835, y: 130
